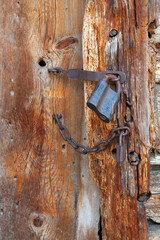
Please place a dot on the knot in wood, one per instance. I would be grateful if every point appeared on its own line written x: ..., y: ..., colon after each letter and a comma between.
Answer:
x: 38, y: 221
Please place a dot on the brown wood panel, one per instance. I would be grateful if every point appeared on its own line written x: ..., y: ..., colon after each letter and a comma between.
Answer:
x: 153, y: 204
x: 41, y: 183
x: 128, y: 51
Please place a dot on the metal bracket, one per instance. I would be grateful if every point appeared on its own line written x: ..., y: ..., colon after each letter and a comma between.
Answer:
x: 84, y: 75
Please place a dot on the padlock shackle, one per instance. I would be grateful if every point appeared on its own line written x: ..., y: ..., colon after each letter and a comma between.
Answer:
x: 110, y: 78
x: 118, y: 87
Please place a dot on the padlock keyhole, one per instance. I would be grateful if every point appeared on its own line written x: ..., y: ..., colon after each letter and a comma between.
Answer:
x: 103, y: 118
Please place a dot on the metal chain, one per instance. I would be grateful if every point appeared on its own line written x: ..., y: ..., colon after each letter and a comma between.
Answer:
x: 102, y: 145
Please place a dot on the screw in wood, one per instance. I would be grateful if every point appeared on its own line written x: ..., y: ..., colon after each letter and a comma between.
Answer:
x: 113, y: 33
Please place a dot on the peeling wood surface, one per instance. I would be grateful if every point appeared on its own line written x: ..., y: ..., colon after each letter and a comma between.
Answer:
x: 153, y: 204
x: 155, y: 158
x: 128, y: 51
x: 43, y: 194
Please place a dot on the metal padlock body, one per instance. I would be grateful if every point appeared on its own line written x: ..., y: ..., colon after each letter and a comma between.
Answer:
x: 103, y: 100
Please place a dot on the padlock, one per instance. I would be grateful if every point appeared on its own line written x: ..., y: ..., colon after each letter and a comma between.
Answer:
x: 103, y: 100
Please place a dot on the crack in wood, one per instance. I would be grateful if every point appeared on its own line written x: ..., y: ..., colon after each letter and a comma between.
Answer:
x: 100, y: 236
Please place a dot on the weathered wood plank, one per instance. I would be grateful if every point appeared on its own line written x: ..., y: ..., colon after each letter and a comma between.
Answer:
x: 153, y: 204
x: 155, y: 158
x: 155, y: 180
x: 42, y: 191
x: 126, y: 51
x: 153, y: 208
x: 154, y: 231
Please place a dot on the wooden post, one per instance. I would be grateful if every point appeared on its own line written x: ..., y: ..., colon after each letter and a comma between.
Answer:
x: 115, y: 36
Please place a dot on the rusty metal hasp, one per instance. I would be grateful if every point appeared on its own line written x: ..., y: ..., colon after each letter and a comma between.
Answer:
x: 103, y: 100
x: 84, y: 75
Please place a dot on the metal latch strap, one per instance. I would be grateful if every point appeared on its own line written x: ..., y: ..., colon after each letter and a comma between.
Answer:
x: 84, y: 75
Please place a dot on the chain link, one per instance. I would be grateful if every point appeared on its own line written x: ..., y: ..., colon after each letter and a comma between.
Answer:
x: 102, y: 145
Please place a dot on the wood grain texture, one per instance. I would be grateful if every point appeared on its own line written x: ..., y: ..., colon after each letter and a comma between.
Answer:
x: 154, y: 231
x: 153, y: 204
x: 42, y: 188
x: 128, y: 51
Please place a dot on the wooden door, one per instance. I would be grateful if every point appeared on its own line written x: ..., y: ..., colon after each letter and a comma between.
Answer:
x: 43, y: 180
x: 47, y: 190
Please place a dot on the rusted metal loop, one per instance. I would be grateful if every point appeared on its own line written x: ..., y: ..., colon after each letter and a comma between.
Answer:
x: 71, y: 142
x: 65, y: 138
x: 135, y: 163
x: 111, y: 78
x: 84, y: 151
x: 84, y: 75
x: 119, y: 129
x: 134, y: 158
x: 59, y: 122
x: 74, y: 142
x: 93, y: 149
x: 144, y: 196
x: 103, y: 147
x: 67, y: 132
x: 114, y: 80
x: 100, y: 143
x: 57, y: 115
x: 81, y: 146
